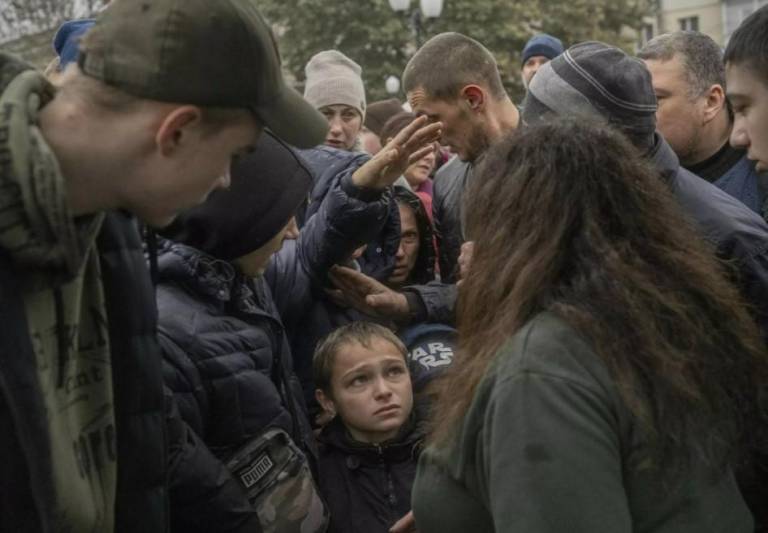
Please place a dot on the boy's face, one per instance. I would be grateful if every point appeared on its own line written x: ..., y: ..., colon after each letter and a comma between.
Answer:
x: 371, y: 390
x: 748, y: 94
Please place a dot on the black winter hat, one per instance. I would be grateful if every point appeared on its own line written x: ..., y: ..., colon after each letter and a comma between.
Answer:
x: 268, y: 185
x: 595, y: 79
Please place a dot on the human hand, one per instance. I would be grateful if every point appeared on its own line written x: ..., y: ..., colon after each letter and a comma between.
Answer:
x: 465, y: 259
x: 412, y: 143
x: 406, y: 524
x: 368, y: 295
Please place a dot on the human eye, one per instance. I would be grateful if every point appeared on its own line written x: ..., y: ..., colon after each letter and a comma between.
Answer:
x: 396, y: 370
x: 739, y: 109
x: 409, y: 238
x: 358, y: 380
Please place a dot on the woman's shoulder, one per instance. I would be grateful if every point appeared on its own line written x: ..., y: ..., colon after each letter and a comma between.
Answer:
x: 549, y: 346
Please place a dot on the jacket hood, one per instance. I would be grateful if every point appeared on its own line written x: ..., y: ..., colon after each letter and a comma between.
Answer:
x: 424, y: 269
x: 211, y: 279
x: 267, y: 187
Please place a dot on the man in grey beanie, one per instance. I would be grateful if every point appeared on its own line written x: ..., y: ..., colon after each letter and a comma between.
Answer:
x: 598, y: 81
x: 335, y: 88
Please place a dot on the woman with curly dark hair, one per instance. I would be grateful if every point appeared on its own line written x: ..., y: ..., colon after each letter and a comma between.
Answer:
x: 610, y: 377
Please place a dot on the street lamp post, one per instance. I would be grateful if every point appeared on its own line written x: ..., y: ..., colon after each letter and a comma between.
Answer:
x: 427, y: 9
x: 392, y: 85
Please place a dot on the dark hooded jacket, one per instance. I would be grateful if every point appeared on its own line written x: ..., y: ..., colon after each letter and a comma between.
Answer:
x: 332, y: 170
x: 367, y: 487
x: 226, y: 356
x: 330, y: 167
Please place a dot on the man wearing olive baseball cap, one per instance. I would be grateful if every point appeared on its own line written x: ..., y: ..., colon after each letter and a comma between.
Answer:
x: 164, y: 94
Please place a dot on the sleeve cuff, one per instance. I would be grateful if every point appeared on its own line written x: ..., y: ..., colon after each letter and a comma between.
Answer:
x: 364, y: 194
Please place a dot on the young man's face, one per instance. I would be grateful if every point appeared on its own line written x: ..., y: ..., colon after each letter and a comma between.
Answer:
x: 371, y: 390
x: 748, y: 93
x: 196, y: 170
x: 530, y: 67
x: 462, y: 132
x: 408, y: 251
x: 345, y: 125
x: 679, y: 115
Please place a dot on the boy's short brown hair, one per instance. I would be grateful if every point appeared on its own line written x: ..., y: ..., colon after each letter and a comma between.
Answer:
x: 360, y: 332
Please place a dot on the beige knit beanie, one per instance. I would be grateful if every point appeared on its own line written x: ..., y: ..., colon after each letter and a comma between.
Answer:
x: 332, y: 79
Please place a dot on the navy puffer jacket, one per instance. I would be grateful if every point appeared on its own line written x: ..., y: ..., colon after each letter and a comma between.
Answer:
x: 331, y: 167
x: 224, y: 352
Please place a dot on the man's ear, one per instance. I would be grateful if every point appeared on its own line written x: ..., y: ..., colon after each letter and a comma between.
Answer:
x: 714, y: 101
x: 325, y: 401
x: 176, y: 127
x: 474, y: 96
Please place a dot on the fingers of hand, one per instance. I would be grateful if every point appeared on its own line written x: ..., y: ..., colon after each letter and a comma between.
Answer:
x: 408, y: 131
x: 421, y: 153
x: 428, y: 134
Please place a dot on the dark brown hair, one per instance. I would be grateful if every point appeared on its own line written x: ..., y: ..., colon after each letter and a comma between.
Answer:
x: 585, y: 229
x: 450, y: 61
x: 359, y: 332
x: 395, y: 124
x: 748, y: 45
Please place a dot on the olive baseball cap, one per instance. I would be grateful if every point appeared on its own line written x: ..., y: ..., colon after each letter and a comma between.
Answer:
x: 216, y: 53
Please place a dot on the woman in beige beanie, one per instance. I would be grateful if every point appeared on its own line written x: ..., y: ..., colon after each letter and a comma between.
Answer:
x: 335, y: 88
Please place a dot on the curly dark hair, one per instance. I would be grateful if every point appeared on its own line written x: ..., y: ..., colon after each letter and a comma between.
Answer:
x: 567, y: 218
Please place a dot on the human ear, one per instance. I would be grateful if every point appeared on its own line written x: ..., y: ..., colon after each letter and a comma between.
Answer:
x: 714, y: 102
x: 176, y: 127
x: 325, y: 401
x: 474, y: 96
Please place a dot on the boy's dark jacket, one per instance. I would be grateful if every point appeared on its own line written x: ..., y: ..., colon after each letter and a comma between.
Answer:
x: 368, y: 487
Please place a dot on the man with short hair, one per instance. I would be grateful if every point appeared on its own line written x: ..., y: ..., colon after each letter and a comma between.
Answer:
x: 601, y: 82
x: 693, y: 114
x: 538, y: 50
x: 135, y: 128
x: 746, y: 67
x: 746, y: 72
x: 455, y: 80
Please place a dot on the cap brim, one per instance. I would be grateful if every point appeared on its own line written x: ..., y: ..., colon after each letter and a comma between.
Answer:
x: 293, y: 119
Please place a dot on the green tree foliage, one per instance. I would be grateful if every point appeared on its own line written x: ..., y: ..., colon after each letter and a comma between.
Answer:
x: 381, y: 41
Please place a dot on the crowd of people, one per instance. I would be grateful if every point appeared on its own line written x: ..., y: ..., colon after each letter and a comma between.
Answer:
x: 231, y: 307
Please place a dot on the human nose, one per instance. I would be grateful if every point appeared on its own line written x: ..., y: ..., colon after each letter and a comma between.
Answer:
x: 381, y: 389
x: 739, y: 137
x: 335, y: 126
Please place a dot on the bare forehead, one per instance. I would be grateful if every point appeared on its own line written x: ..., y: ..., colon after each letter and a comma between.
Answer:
x: 353, y: 354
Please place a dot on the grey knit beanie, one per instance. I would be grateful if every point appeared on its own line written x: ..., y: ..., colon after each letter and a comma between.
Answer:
x: 596, y: 79
x: 332, y: 79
